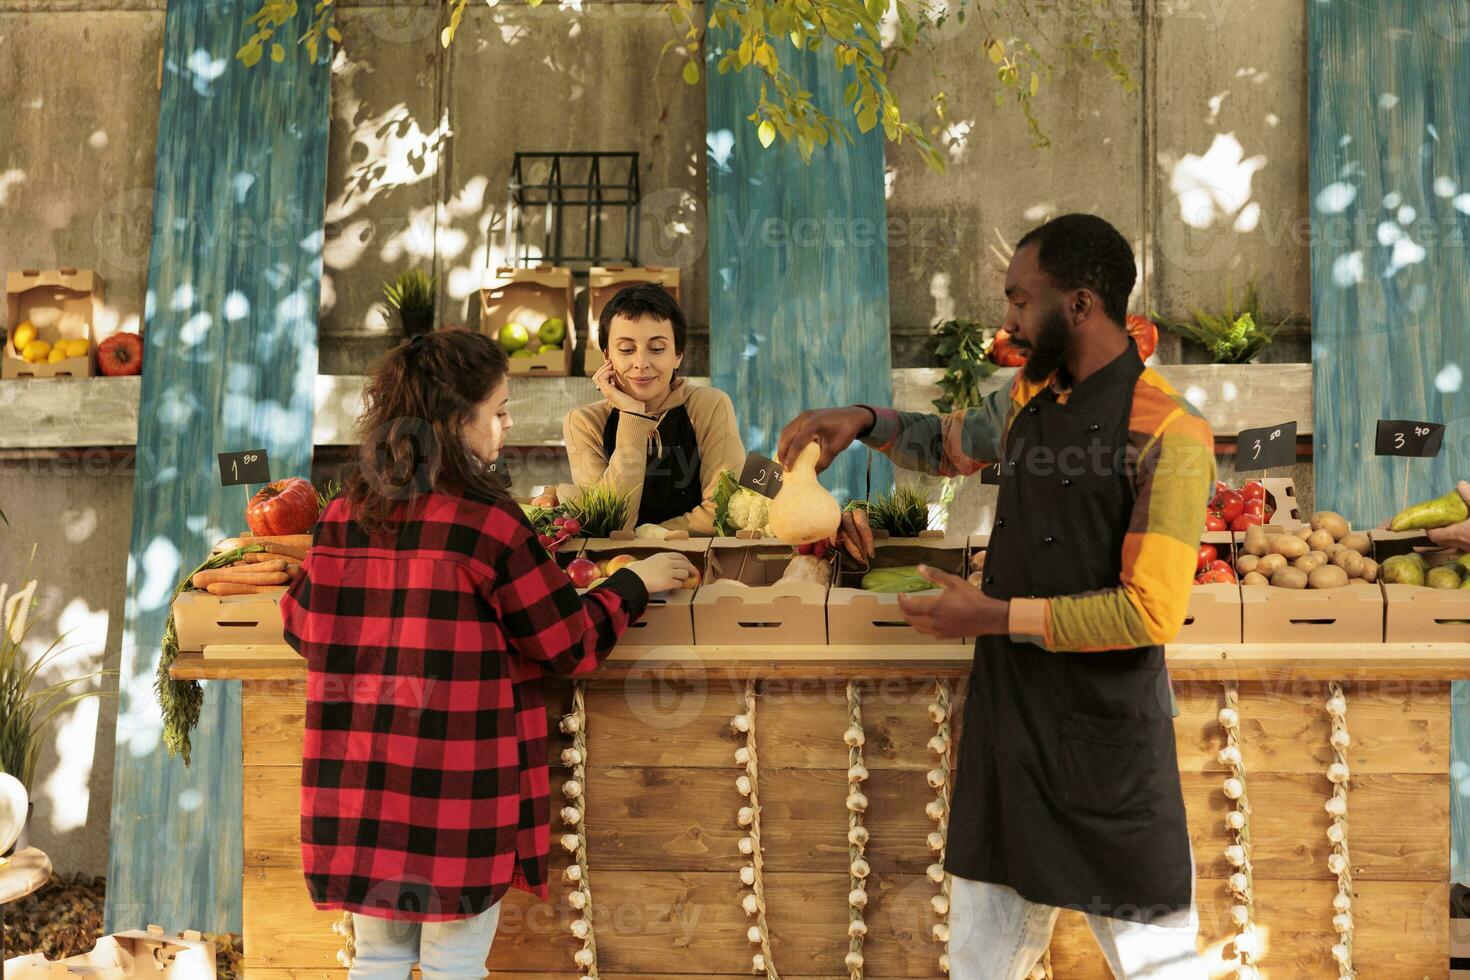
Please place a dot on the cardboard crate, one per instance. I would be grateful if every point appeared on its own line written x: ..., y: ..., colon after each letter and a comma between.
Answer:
x: 202, y: 620
x: 858, y: 618
x: 122, y: 955
x: 603, y: 283
x: 62, y: 304
x: 1214, y: 613
x: 1281, y: 495
x: 529, y: 297
x: 743, y: 603
x: 669, y: 619
x: 1352, y: 615
x: 1417, y: 613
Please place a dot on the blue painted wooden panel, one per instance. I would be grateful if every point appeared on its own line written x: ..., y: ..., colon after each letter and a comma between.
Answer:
x: 1390, y: 184
x: 230, y: 364
x: 798, y: 266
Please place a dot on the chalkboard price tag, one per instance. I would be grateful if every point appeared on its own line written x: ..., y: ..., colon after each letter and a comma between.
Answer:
x: 251, y: 466
x: 1266, y: 447
x: 1399, y: 437
x: 761, y: 475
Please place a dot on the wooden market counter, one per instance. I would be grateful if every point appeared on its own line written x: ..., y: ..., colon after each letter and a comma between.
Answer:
x: 662, y: 833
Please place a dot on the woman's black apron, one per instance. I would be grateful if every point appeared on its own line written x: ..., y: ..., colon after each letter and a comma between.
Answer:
x: 671, y: 478
x: 1068, y: 783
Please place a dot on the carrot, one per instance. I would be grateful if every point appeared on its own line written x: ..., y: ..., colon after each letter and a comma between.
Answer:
x: 232, y: 588
x: 298, y: 542
x: 286, y: 551
x: 266, y: 561
x: 205, y: 578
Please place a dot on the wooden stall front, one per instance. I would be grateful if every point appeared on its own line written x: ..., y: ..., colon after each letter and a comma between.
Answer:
x: 661, y: 805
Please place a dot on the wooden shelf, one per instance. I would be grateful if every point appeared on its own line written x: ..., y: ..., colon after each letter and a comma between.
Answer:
x: 1433, y: 663
x: 67, y: 414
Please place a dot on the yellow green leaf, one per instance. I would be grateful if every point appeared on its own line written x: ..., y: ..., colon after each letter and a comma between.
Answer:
x: 766, y: 132
x: 691, y: 73
x: 996, y: 50
x: 1035, y: 83
x: 278, y: 53
x: 334, y: 34
x: 250, y: 54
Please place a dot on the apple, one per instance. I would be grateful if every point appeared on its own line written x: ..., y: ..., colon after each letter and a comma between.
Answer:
x: 553, y: 331
x: 120, y: 355
x: 583, y: 572
x: 513, y: 336
x: 616, y: 562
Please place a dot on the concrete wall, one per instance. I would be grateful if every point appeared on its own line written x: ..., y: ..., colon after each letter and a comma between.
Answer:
x: 1204, y: 168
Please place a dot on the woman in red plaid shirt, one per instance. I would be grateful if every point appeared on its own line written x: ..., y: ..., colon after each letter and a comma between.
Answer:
x: 428, y: 614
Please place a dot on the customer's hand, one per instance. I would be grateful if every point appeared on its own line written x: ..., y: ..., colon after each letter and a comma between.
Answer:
x: 834, y: 428
x: 611, y: 387
x: 1456, y: 535
x: 663, y: 572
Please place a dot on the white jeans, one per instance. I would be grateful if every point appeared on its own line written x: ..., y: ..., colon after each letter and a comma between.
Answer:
x: 387, y: 949
x: 995, y: 934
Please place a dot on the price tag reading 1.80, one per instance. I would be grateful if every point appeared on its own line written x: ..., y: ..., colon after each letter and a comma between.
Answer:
x: 1266, y: 448
x: 1400, y: 437
x: 251, y: 466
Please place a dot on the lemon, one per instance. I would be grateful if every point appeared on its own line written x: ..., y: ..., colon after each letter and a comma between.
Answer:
x: 23, y: 334
x: 78, y: 347
x: 36, y: 351
x: 57, y: 355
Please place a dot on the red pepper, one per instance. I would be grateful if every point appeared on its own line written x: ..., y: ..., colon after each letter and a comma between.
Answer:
x: 1003, y: 351
x: 1144, y: 333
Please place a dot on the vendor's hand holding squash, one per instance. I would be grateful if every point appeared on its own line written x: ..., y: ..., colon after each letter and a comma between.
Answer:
x: 959, y: 610
x: 834, y: 428
x: 663, y: 572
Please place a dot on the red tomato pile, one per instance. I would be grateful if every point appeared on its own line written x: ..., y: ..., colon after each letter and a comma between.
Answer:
x: 1234, y: 509
x: 1210, y: 570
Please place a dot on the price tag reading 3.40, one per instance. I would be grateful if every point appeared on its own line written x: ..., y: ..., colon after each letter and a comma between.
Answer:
x: 251, y: 466
x: 1266, y: 448
x: 1399, y: 437
x: 761, y: 475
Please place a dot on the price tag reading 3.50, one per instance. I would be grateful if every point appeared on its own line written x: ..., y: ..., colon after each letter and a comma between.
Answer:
x: 1266, y: 448
x: 1400, y: 437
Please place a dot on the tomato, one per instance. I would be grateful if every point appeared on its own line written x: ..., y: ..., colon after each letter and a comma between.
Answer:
x: 288, y: 506
x: 1207, y: 554
x: 1244, y: 521
x: 1144, y: 334
x: 1232, y: 505
x: 1003, y: 351
x: 1222, y: 566
x: 1253, y: 490
x: 1220, y: 487
x: 1216, y: 576
x: 1257, y: 507
x: 1214, y: 522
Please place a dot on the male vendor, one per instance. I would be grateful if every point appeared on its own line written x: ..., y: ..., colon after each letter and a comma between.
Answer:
x: 1068, y: 793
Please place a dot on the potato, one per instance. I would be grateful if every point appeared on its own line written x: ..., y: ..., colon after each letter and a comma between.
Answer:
x: 1302, y: 532
x: 1370, y: 570
x: 1333, y: 549
x: 1255, y: 541
x: 1320, y: 540
x: 1270, y: 565
x: 1349, y: 561
x: 1358, y: 541
x: 1255, y: 578
x: 1328, y: 577
x: 1288, y: 546
x: 1359, y: 581
x: 1246, y: 564
x: 1331, y: 522
x: 1310, y: 562
x: 1291, y: 578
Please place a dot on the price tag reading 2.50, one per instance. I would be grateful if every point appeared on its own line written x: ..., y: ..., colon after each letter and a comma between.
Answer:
x: 1266, y: 448
x: 1399, y: 437
x: 251, y: 466
x: 761, y: 475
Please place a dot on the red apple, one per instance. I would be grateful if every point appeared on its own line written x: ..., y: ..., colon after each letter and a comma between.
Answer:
x: 1243, y: 521
x: 120, y: 355
x: 616, y: 562
x: 1207, y: 554
x: 583, y: 572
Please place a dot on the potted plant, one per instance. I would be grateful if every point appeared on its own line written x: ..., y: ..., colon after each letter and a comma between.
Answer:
x: 26, y: 709
x: 412, y: 295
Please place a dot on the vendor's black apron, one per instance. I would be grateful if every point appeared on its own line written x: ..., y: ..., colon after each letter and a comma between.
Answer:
x: 1068, y: 784
x: 671, y: 478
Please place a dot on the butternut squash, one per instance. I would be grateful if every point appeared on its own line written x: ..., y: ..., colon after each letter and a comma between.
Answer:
x: 803, y: 512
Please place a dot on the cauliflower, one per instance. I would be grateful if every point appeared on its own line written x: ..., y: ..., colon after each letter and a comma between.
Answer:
x: 749, y: 511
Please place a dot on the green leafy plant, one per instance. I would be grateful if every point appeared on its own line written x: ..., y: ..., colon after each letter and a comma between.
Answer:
x: 25, y: 710
x: 181, y: 701
x: 1233, y: 336
x: 903, y: 513
x: 961, y: 345
x: 600, y: 509
x: 767, y: 38
x: 411, y: 292
x: 328, y: 492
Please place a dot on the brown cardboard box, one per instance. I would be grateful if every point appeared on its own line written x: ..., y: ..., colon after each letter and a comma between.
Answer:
x: 530, y: 297
x: 743, y: 602
x: 202, y: 620
x: 1415, y: 613
x: 669, y: 620
x: 1214, y: 614
x: 62, y: 304
x: 1353, y: 614
x: 858, y: 618
x: 603, y: 283
x: 1281, y: 495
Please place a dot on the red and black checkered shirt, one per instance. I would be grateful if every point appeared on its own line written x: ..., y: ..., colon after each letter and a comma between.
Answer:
x: 424, y: 787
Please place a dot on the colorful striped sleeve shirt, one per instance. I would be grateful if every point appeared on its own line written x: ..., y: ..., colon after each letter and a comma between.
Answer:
x: 1172, y: 466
